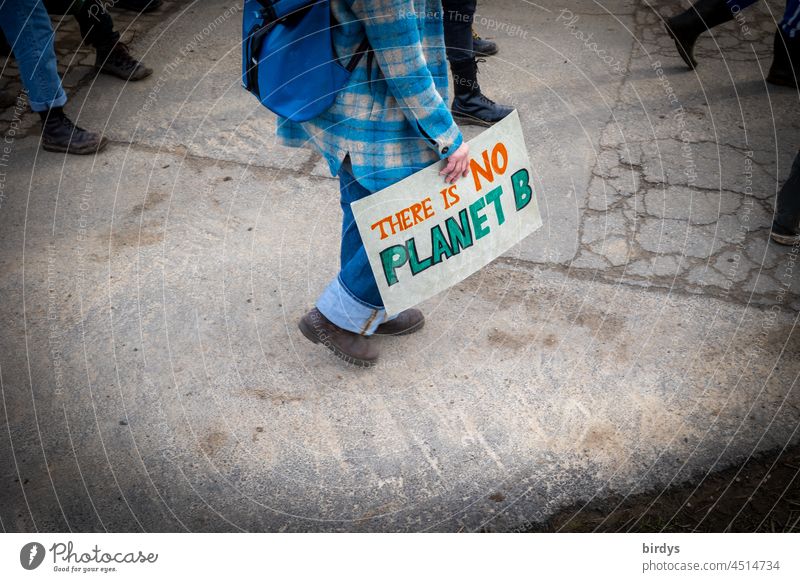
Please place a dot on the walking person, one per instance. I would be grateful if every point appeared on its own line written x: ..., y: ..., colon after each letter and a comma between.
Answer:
x: 97, y: 30
x: 703, y: 15
x: 470, y: 105
x: 390, y: 121
x: 26, y: 25
x: 786, y: 225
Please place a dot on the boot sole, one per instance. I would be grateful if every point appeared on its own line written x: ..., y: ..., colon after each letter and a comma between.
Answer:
x: 75, y: 150
x: 469, y: 120
x: 409, y: 331
x: 781, y: 81
x: 785, y: 239
x: 311, y: 336
x: 146, y: 72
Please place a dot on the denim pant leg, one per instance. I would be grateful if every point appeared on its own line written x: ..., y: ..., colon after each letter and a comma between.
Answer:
x: 737, y: 6
x: 790, y: 24
x: 27, y: 28
x: 352, y: 300
x: 458, y: 15
x: 787, y: 208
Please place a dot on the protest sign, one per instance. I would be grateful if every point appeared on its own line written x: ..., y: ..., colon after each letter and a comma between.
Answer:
x: 423, y: 235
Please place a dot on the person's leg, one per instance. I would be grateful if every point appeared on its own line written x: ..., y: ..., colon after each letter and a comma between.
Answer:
x: 353, y: 301
x: 787, y: 208
x: 703, y: 15
x: 790, y: 23
x: 785, y: 68
x: 470, y: 105
x: 27, y: 27
x: 97, y: 30
x: 458, y: 16
x: 112, y: 56
x: 350, y: 309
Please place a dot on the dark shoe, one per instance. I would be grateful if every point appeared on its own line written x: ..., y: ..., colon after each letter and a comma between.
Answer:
x: 138, y: 5
x: 785, y: 61
x: 482, y: 47
x: 406, y: 322
x: 118, y: 61
x: 469, y: 104
x: 59, y: 134
x: 784, y: 236
x: 687, y: 26
x: 7, y: 99
x: 5, y: 48
x: 351, y: 347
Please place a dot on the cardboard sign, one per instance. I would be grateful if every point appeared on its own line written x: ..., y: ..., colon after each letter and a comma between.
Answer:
x: 423, y: 235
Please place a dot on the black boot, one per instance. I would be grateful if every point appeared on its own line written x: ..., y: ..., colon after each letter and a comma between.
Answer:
x: 785, y: 61
x: 469, y: 104
x: 687, y: 26
x: 59, y: 134
x: 5, y: 48
x: 117, y: 61
x: 482, y: 47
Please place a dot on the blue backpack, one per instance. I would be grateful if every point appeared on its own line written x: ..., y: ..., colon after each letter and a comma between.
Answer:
x: 288, y: 59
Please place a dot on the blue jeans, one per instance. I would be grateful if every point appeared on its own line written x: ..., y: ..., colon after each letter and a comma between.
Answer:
x: 352, y: 300
x: 790, y: 23
x: 26, y: 26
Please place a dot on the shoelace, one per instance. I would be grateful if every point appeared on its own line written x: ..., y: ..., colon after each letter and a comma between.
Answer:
x: 60, y: 120
x: 119, y: 55
x: 480, y: 93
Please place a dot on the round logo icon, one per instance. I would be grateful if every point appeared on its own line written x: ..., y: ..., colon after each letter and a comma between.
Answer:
x: 31, y: 555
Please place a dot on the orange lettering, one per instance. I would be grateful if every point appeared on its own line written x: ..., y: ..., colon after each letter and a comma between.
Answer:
x: 485, y: 171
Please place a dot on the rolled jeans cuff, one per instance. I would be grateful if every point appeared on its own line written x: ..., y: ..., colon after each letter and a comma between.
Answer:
x: 344, y: 310
x: 59, y: 101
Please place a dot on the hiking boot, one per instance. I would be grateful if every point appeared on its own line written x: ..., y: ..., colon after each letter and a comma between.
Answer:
x: 784, y: 236
x: 138, y: 5
x: 117, y: 61
x: 482, y: 47
x: 469, y: 104
x: 59, y: 134
x: 785, y: 58
x: 351, y: 347
x: 687, y: 26
x: 407, y: 322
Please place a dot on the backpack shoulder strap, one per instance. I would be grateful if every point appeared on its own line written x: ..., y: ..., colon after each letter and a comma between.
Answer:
x: 362, y: 49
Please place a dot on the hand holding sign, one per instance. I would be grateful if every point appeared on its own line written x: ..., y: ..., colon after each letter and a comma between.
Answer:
x: 421, y: 238
x: 457, y: 164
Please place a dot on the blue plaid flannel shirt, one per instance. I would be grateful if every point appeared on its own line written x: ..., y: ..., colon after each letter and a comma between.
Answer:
x: 392, y: 120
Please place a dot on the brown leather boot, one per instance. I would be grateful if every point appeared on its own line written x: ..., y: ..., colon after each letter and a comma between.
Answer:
x: 351, y: 347
x: 408, y: 321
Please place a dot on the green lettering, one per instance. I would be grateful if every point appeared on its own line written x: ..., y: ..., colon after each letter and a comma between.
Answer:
x: 460, y: 236
x: 417, y: 266
x: 493, y: 197
x: 478, y: 219
x: 440, y: 245
x: 522, y: 191
x: 391, y: 258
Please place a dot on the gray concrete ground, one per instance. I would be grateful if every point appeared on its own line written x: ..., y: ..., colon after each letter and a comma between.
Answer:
x: 153, y: 378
